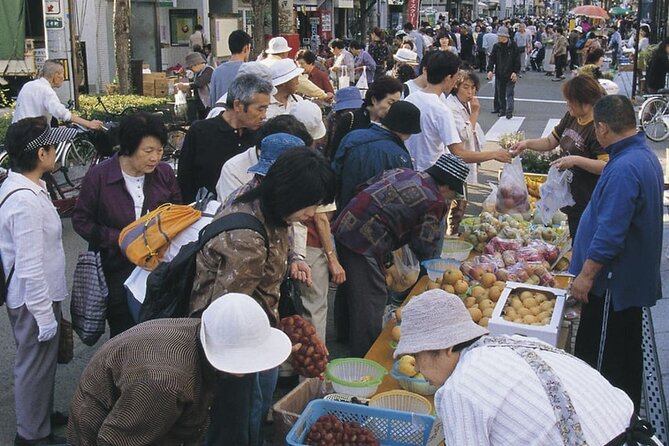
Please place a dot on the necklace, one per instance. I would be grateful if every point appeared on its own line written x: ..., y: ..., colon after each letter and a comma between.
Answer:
x: 584, y: 121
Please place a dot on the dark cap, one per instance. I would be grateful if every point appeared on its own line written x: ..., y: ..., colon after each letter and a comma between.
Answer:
x: 403, y: 117
x: 451, y: 171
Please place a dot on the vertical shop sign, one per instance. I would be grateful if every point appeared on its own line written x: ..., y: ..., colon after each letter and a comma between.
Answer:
x: 412, y: 7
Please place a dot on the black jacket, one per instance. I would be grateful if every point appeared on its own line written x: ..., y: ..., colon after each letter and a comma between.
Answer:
x: 504, y: 59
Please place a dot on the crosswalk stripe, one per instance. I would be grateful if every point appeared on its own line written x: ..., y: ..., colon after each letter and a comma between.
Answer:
x: 504, y: 125
x: 550, y: 125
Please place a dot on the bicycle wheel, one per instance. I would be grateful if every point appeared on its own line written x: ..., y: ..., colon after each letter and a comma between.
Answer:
x: 172, y: 150
x: 652, y: 119
x: 78, y: 158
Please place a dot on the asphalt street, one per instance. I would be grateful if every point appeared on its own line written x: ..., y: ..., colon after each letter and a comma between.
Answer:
x: 538, y: 103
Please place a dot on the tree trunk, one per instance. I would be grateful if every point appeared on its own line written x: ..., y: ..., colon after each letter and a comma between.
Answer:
x: 122, y: 44
x: 259, y: 7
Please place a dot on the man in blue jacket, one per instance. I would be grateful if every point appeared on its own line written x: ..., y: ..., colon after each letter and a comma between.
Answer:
x: 365, y: 153
x: 617, y: 250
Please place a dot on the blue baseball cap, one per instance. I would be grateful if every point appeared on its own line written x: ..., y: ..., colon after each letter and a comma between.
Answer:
x: 271, y: 147
x: 347, y: 97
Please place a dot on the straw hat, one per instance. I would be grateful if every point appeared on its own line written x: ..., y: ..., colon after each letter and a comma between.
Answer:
x: 405, y: 55
x: 284, y: 70
x: 236, y: 336
x: 435, y: 320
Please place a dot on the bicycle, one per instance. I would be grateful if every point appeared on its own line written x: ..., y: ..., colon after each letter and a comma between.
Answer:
x: 654, y: 116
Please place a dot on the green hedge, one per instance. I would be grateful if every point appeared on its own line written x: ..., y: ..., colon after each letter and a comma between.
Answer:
x: 90, y: 108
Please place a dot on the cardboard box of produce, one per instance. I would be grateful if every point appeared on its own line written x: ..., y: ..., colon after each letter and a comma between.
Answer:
x: 161, y: 87
x: 529, y: 310
x: 148, y: 88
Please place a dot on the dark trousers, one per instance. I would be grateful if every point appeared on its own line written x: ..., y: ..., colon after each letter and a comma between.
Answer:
x: 118, y: 313
x: 622, y: 363
x: 360, y: 301
x: 560, y: 65
x: 481, y: 60
x: 573, y: 56
x: 504, y: 88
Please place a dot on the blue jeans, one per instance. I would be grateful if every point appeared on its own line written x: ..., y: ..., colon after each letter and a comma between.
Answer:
x: 240, y: 408
x: 504, y: 94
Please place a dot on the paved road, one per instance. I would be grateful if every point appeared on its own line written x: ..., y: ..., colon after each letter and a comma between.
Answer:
x: 538, y: 105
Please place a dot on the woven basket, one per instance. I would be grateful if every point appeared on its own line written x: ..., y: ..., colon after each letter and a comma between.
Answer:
x: 401, y: 400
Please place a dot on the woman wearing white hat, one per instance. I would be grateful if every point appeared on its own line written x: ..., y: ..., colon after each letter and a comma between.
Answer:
x: 546, y: 396
x: 155, y: 383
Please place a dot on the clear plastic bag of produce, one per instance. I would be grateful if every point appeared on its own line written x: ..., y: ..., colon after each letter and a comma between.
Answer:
x: 555, y: 194
x: 512, y: 192
x: 498, y: 244
x: 489, y: 205
x: 403, y: 273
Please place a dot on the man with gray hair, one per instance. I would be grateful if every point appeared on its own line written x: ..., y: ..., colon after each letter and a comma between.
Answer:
x: 619, y: 237
x: 211, y: 142
x: 37, y: 98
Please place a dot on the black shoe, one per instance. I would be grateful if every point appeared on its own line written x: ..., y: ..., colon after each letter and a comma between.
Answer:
x: 58, y: 419
x: 50, y: 440
x: 509, y: 115
x: 557, y: 79
x: 494, y: 111
x: 500, y: 114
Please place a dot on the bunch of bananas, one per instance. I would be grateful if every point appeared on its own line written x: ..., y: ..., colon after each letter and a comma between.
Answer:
x: 533, y: 186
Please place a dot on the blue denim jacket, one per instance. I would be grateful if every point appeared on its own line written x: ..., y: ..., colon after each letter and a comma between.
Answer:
x: 621, y: 227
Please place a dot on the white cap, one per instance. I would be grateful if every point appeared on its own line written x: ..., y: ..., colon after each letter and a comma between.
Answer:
x: 237, y: 338
x: 277, y: 45
x: 284, y: 70
x: 311, y: 116
x: 435, y: 320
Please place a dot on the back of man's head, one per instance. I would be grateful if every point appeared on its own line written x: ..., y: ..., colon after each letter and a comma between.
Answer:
x: 237, y: 40
x: 441, y: 65
x: 617, y: 112
x: 408, y: 26
x: 51, y: 68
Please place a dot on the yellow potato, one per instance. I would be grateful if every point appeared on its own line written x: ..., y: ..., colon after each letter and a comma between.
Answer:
x: 525, y: 295
x: 517, y: 305
x: 486, y: 303
x: 494, y: 293
x: 522, y: 312
x: 540, y: 297
x: 477, y: 291
x: 487, y: 312
x: 529, y: 319
x: 470, y: 301
x: 476, y: 314
x: 529, y: 302
x: 547, y: 305
x: 535, y: 310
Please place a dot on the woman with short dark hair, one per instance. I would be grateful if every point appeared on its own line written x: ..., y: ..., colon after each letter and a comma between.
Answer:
x: 33, y: 262
x: 118, y: 191
x: 383, y: 93
x: 579, y: 149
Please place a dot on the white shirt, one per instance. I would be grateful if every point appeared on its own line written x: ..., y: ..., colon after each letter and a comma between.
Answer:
x: 412, y: 85
x: 493, y: 397
x: 276, y: 108
x: 31, y: 240
x: 135, y: 284
x: 135, y: 187
x: 38, y: 98
x: 438, y: 130
x: 471, y: 140
x: 234, y: 173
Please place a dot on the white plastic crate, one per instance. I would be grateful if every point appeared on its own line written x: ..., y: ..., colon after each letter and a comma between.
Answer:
x: 548, y: 333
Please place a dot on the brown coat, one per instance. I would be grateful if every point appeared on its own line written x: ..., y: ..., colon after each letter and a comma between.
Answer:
x: 237, y: 262
x: 150, y: 385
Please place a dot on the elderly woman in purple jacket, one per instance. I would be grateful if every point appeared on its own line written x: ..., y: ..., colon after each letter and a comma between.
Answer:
x: 118, y: 191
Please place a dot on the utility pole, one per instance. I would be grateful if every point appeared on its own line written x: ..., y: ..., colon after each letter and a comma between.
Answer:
x: 74, y: 50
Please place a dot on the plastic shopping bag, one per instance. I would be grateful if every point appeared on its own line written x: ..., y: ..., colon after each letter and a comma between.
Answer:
x: 403, y: 273
x: 490, y: 203
x: 512, y: 195
x: 555, y: 194
x: 362, y: 84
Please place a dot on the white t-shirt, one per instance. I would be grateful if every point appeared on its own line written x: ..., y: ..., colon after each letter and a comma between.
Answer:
x: 471, y: 138
x: 135, y: 187
x: 276, y: 108
x: 438, y: 129
x: 234, y: 173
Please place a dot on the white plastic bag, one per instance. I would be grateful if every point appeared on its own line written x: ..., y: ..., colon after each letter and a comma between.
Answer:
x: 344, y: 79
x: 555, y: 194
x: 512, y: 195
x: 489, y: 204
x: 403, y: 273
x: 362, y: 84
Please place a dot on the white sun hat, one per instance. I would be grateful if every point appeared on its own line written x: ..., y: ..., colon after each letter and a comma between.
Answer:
x: 237, y: 338
x: 277, y: 45
x: 311, y: 116
x: 284, y: 70
x: 407, y: 56
x: 435, y: 320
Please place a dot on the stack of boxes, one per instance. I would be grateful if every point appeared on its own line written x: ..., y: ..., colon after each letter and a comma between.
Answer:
x: 157, y: 84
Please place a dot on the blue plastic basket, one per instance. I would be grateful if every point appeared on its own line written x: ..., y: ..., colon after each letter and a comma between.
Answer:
x: 390, y: 427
